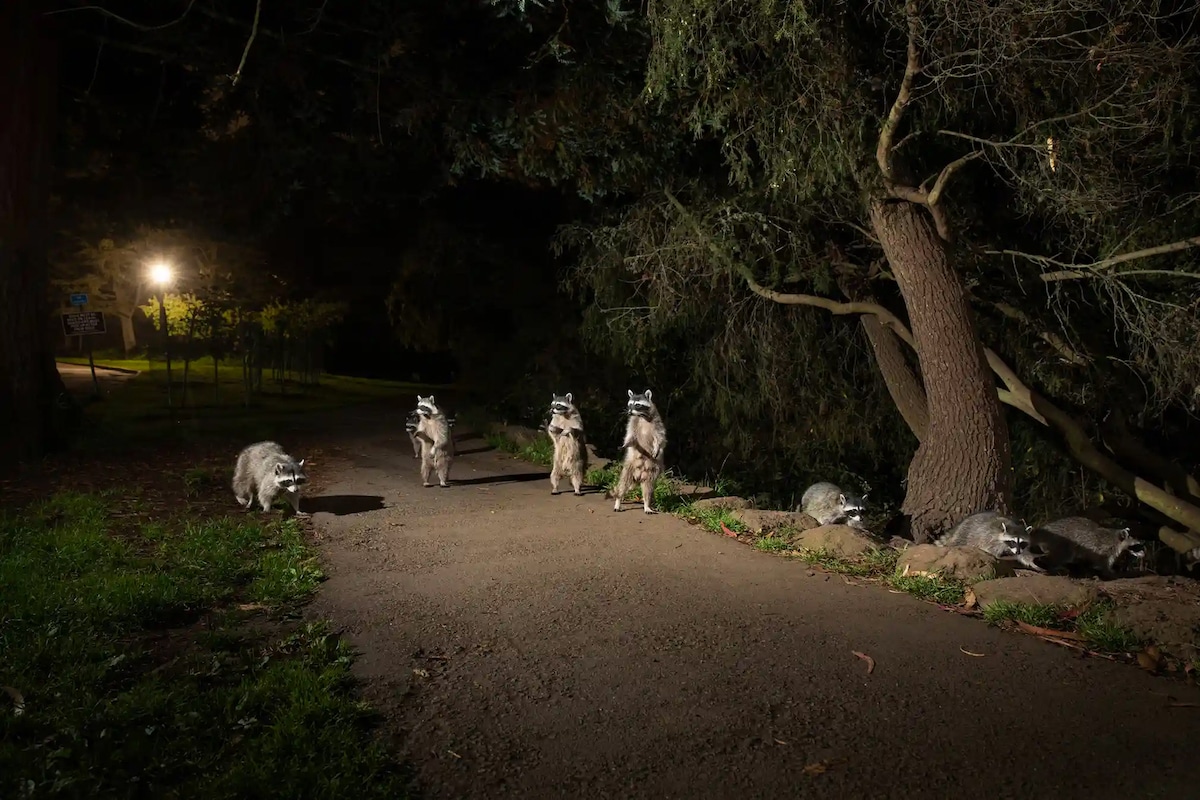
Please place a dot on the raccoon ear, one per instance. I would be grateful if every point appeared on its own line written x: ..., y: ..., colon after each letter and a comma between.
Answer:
x: 1123, y: 533
x: 301, y: 464
x: 570, y: 397
x: 841, y: 499
x: 649, y: 394
x: 1003, y: 528
x: 864, y: 497
x: 630, y: 393
x: 431, y: 399
x: 278, y: 469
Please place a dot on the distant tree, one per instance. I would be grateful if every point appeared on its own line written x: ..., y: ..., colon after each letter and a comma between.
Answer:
x: 32, y: 395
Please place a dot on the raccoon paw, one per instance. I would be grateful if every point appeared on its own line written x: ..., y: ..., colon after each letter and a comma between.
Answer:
x: 649, y: 511
x: 427, y: 484
x: 444, y: 485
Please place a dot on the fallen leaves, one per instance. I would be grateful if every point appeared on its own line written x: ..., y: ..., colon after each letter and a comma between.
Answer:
x: 870, y: 661
x: 821, y: 767
x: 727, y: 531
x: 967, y: 652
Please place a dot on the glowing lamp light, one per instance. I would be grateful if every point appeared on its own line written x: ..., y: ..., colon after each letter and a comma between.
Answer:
x: 161, y: 274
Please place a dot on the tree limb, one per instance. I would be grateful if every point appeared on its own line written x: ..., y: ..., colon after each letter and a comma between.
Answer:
x: 1068, y: 271
x: 1051, y: 338
x: 237, y: 76
x: 885, y: 317
x: 883, y: 148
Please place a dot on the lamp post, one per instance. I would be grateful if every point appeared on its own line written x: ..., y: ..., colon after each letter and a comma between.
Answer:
x: 160, y: 275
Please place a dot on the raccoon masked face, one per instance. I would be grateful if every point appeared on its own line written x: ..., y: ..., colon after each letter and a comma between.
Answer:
x: 853, y: 508
x: 562, y: 404
x: 1014, y: 545
x: 640, y: 405
x: 290, y: 478
x: 426, y: 406
x: 410, y: 423
x: 1135, y: 547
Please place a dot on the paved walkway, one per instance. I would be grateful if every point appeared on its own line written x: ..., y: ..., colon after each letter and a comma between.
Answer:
x: 527, y: 645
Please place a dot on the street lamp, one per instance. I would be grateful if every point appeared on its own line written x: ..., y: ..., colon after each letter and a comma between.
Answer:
x: 160, y: 275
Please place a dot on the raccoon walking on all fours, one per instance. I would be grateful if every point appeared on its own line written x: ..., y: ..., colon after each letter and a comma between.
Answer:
x: 645, y: 441
x: 264, y: 471
x: 1082, y: 541
x: 829, y: 505
x: 992, y: 532
x: 433, y: 431
x: 570, y: 444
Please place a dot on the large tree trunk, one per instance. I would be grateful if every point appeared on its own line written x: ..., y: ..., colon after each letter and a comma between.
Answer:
x: 962, y: 465
x: 29, y: 381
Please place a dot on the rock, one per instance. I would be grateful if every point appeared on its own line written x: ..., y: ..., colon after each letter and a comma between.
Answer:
x: 722, y: 502
x: 596, y: 461
x: 1164, y: 610
x: 761, y: 522
x: 838, y: 540
x: 961, y: 563
x: 900, y: 543
x: 1042, y: 590
x: 692, y: 492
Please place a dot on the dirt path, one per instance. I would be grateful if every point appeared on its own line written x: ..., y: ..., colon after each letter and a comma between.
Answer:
x: 535, y: 646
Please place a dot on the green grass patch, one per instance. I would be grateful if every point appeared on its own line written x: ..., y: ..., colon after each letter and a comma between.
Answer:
x: 936, y: 588
x: 540, y: 451
x: 1094, y: 623
x: 135, y: 668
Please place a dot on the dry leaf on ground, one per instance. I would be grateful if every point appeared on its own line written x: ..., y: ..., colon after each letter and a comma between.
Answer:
x: 870, y: 661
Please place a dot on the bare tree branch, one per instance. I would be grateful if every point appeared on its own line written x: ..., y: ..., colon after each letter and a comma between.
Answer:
x: 1051, y: 338
x: 1097, y: 269
x: 237, y: 76
x: 883, y: 148
x: 135, y: 25
x: 885, y: 317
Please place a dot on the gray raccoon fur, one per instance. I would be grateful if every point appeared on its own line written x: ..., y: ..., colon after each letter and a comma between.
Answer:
x: 644, y: 443
x: 433, y: 431
x: 992, y: 532
x: 829, y: 505
x: 410, y: 426
x: 570, y: 443
x: 1081, y: 541
x: 264, y: 471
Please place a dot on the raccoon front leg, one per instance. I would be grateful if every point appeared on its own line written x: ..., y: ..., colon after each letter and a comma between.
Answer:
x: 266, y: 496
x: 1026, y: 559
x: 294, y: 499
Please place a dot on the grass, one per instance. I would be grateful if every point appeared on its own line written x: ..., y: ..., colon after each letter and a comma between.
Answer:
x: 158, y: 660
x: 216, y: 402
x: 1094, y: 623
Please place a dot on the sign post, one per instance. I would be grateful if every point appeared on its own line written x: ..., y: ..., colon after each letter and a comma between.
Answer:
x: 85, y: 323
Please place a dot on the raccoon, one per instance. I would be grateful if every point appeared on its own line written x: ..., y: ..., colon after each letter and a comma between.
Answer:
x: 1079, y: 540
x: 433, y: 431
x: 570, y: 443
x: 829, y: 505
x: 410, y: 426
x: 645, y: 441
x: 991, y: 532
x: 263, y: 471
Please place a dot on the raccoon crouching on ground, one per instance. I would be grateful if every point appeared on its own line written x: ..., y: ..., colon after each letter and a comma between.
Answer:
x: 829, y: 505
x: 433, y: 431
x: 645, y: 441
x: 1079, y: 540
x: 263, y: 471
x: 991, y: 532
x: 570, y: 444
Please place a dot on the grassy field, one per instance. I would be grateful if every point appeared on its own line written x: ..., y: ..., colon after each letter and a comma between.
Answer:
x: 151, y: 640
x: 216, y: 402
x: 149, y: 655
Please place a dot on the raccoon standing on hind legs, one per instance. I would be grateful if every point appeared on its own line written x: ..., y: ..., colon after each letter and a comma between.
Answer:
x: 433, y: 431
x: 570, y: 444
x: 645, y: 440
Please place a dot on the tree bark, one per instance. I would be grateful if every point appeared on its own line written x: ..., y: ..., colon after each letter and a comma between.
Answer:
x: 128, y: 337
x: 963, y: 464
x: 29, y: 382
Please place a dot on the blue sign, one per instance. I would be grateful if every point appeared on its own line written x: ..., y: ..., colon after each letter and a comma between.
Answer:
x: 79, y: 299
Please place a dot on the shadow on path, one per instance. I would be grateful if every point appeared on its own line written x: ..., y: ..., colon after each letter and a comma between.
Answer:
x: 520, y: 477
x: 342, y: 504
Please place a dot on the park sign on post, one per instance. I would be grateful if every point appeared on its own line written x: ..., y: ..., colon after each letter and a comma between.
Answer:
x: 79, y: 299
x: 83, y: 323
